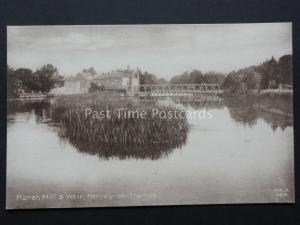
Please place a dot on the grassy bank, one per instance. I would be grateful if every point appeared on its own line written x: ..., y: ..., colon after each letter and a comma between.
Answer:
x: 117, y: 134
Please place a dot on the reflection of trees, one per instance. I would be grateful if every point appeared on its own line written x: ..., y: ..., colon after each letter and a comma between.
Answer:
x: 152, y: 151
x: 276, y: 121
x: 40, y: 108
x: 242, y: 111
x: 245, y: 115
x: 247, y: 111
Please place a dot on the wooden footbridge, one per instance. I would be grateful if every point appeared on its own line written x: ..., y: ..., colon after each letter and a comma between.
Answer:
x: 180, y: 90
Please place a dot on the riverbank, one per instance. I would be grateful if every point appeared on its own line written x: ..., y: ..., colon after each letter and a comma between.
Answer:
x: 30, y: 96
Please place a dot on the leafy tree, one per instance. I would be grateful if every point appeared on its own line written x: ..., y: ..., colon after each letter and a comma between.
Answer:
x: 11, y: 82
x: 197, y: 77
x: 286, y: 69
x: 269, y: 72
x: 29, y: 80
x: 148, y: 78
x: 91, y: 70
x: 46, y: 77
x: 233, y: 83
x: 194, y: 77
x: 251, y: 78
x: 213, y: 78
x: 241, y: 81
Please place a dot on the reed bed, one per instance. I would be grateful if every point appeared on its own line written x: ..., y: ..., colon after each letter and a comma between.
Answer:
x: 116, y: 133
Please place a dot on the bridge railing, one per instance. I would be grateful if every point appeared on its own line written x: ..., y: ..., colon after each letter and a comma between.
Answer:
x: 173, y: 89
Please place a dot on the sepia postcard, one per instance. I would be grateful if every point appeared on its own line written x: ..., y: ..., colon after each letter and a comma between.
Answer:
x: 147, y: 115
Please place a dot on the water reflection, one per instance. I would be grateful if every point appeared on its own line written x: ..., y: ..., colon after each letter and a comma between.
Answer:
x: 222, y: 160
x: 150, y: 151
x: 242, y: 111
x: 43, y: 112
x: 248, y: 111
x: 40, y: 108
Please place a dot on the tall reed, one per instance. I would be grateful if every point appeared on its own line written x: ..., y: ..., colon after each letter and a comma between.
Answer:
x: 116, y: 132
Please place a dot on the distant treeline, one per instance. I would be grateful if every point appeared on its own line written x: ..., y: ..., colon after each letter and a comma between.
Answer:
x: 193, y: 77
x: 269, y: 74
x: 149, y: 78
x: 197, y: 77
x: 41, y: 80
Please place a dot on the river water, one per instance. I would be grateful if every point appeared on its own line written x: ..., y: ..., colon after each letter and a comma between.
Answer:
x: 239, y: 155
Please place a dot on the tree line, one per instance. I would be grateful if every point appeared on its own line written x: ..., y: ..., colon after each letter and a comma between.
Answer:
x: 149, y: 78
x: 269, y: 74
x: 41, y: 80
x: 197, y: 77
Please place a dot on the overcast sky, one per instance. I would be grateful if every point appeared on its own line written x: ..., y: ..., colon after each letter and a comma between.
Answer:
x: 165, y: 50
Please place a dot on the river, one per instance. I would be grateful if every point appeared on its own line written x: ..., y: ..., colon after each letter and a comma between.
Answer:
x: 239, y: 155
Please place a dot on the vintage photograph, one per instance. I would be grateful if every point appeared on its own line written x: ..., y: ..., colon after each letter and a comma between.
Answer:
x: 147, y: 115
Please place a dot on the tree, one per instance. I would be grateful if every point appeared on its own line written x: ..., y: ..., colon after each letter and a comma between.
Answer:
x: 269, y: 72
x: 29, y: 80
x: 91, y: 70
x: 148, y: 78
x: 233, y: 83
x: 213, y: 78
x: 45, y: 76
x: 162, y: 81
x: 286, y: 69
x: 251, y: 79
x: 194, y: 77
x: 11, y: 82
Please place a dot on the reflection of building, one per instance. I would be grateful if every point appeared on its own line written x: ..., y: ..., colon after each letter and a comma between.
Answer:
x: 118, y: 80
